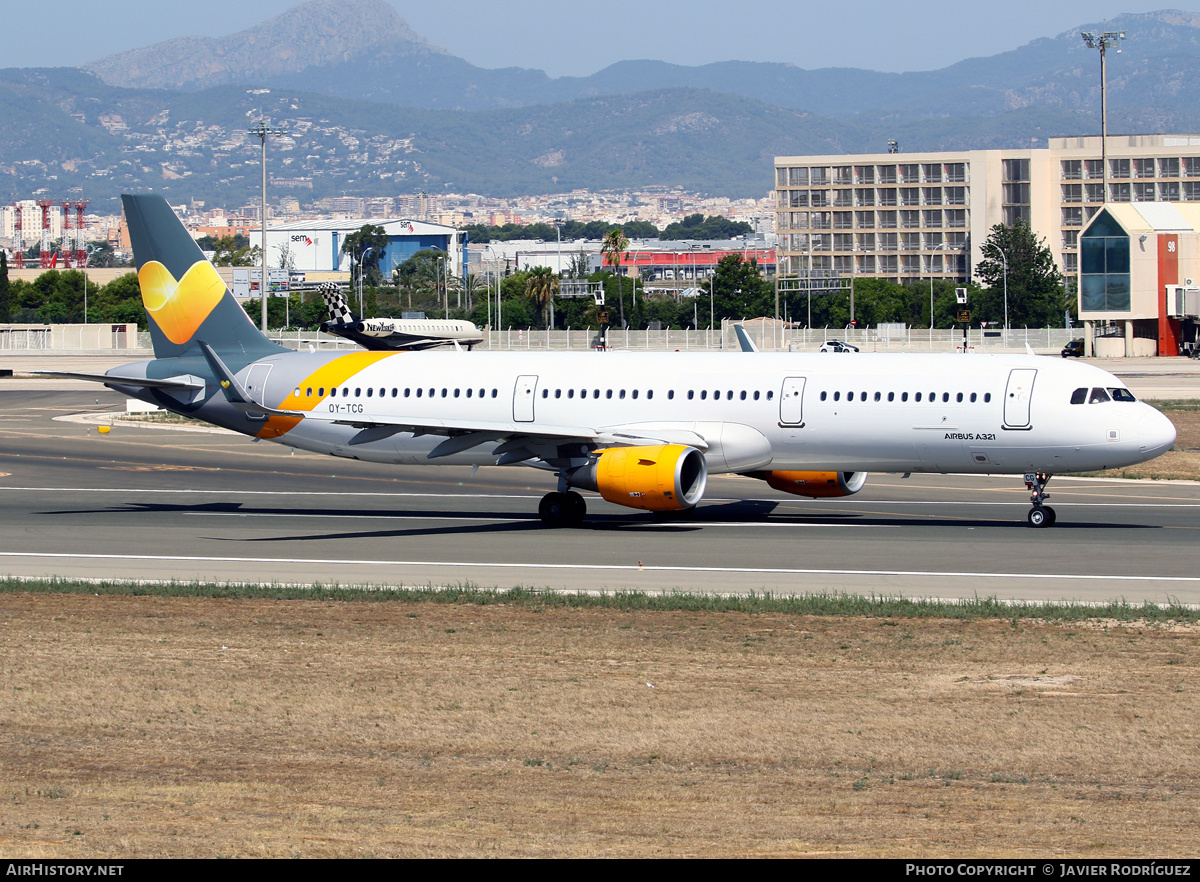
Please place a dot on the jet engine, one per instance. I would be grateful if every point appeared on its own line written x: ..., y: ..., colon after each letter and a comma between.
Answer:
x: 817, y: 485
x: 664, y: 477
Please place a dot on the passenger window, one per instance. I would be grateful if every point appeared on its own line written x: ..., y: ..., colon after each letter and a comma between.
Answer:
x: 756, y: 395
x: 357, y: 393
x: 1122, y: 395
x: 729, y: 395
x: 621, y: 394
x: 321, y: 392
x: 876, y: 396
x: 691, y: 394
x: 891, y: 396
x: 308, y: 392
x: 1079, y: 396
x: 634, y: 393
x: 703, y: 394
x: 770, y: 395
x: 904, y: 396
x: 743, y: 395
x: 837, y: 396
x: 406, y: 391
x: 570, y: 393
x: 823, y: 394
x: 595, y: 393
x: 917, y: 397
x: 1099, y: 396
x: 370, y: 391
x: 945, y: 396
x: 649, y: 394
x: 987, y: 397
x: 557, y: 393
x: 493, y: 393
x: 972, y: 397
x: 545, y: 393
x: 608, y: 394
x: 469, y: 391
x: 420, y: 391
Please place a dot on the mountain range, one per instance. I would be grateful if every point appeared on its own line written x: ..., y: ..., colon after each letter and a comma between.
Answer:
x: 371, y: 107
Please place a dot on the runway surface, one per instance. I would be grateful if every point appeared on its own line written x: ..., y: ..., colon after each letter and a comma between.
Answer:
x: 154, y: 504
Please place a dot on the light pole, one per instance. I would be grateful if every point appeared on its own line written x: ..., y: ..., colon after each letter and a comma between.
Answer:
x: 1102, y: 42
x: 1004, y: 260
x: 261, y: 131
x: 362, y: 255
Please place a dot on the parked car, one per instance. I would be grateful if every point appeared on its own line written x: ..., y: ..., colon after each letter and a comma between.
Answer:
x: 1075, y: 348
x: 837, y: 346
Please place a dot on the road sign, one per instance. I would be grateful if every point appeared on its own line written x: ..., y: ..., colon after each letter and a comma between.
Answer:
x: 602, y: 316
x: 964, y: 316
x: 961, y: 294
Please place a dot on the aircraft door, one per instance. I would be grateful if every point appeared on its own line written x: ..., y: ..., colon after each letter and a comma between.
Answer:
x: 1017, y: 398
x: 523, y: 396
x: 256, y: 383
x: 791, y: 401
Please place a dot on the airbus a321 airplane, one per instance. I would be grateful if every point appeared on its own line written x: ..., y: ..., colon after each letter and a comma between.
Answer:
x: 644, y: 430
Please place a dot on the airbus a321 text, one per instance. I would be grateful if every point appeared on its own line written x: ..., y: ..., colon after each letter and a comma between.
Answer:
x: 644, y: 430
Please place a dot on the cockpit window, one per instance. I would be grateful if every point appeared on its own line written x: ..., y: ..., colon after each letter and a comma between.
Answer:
x: 1099, y: 396
x: 1079, y: 396
x: 1121, y: 395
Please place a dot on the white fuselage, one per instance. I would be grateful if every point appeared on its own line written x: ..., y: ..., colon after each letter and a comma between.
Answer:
x: 867, y: 412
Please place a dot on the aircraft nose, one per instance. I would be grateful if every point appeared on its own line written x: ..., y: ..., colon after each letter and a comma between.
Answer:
x: 1156, y: 433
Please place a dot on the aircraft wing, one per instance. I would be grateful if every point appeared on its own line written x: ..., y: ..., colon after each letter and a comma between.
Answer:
x: 520, y: 441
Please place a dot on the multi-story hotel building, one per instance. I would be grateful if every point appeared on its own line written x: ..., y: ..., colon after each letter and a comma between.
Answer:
x: 906, y: 216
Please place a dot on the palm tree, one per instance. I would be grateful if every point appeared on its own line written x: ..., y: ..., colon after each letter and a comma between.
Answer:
x: 541, y: 286
x: 612, y: 247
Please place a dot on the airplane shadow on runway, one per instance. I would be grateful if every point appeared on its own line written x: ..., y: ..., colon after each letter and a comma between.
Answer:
x: 691, y: 521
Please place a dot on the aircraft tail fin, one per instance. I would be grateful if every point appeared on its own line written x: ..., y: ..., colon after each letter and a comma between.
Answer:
x: 185, y: 299
x: 336, y: 305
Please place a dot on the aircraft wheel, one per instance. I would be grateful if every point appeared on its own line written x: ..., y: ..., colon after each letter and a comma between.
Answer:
x: 576, y: 508
x: 554, y: 509
x: 1040, y: 516
x: 1051, y: 514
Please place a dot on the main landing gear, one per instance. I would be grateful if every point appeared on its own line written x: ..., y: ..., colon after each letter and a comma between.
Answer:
x: 561, y: 509
x: 1040, y: 515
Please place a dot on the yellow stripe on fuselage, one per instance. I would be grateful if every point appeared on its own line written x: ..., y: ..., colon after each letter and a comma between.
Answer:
x: 329, y: 376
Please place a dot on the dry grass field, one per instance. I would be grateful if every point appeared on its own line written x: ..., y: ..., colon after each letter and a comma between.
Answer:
x: 199, y: 727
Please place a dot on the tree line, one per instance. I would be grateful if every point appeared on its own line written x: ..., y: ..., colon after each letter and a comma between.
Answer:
x: 694, y: 226
x: 737, y: 289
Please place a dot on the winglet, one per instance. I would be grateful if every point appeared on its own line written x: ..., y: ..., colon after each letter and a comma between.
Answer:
x: 744, y: 339
x: 235, y: 393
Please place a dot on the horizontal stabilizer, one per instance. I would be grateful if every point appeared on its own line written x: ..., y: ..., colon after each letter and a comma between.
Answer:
x: 181, y: 382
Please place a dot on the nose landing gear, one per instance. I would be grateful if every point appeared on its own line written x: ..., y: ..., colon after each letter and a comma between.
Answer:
x: 1041, y: 515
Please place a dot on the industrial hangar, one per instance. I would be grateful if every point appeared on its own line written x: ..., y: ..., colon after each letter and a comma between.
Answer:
x: 316, y: 245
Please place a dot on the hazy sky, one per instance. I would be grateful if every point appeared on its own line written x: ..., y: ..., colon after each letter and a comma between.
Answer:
x: 563, y: 37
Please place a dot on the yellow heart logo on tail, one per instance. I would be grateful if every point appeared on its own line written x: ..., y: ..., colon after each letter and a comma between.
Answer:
x: 180, y: 307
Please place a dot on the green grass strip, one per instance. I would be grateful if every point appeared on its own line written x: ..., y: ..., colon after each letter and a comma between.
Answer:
x: 815, y: 604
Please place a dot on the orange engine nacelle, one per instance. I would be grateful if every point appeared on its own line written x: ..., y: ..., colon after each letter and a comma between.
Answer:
x: 817, y: 485
x: 664, y: 477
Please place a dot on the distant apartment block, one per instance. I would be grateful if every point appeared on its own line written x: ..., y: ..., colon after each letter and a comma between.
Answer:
x: 906, y: 216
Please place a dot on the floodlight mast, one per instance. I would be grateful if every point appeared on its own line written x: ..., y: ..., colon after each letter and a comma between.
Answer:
x: 1103, y: 42
x: 261, y: 130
